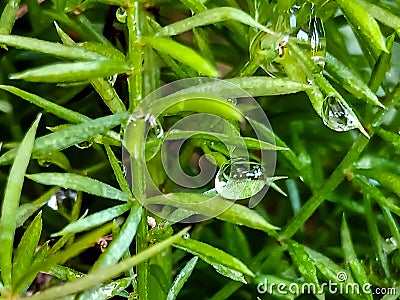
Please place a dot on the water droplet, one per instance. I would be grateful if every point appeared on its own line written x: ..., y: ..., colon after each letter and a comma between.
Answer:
x: 84, y: 145
x: 111, y: 80
x: 336, y: 116
x: 232, y: 101
x: 62, y: 200
x: 186, y: 235
x: 311, y: 36
x: 239, y: 179
x: 44, y: 163
x: 390, y: 245
x: 121, y: 15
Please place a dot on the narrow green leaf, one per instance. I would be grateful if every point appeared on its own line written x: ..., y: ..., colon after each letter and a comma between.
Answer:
x: 357, y: 269
x: 56, y: 158
x: 389, y: 180
x: 94, y: 220
x: 56, y: 49
x: 382, y: 15
x: 106, y: 50
x: 11, y: 201
x: 222, y: 262
x: 391, y: 138
x: 51, y: 107
x: 183, y: 54
x: 364, y: 24
x: 100, y: 276
x: 119, y: 175
x: 70, y: 136
x: 26, y: 248
x: 268, y: 86
x: 249, y: 143
x: 9, y: 16
x: 210, y: 16
x: 60, y: 257
x: 181, y: 278
x: 28, y: 209
x: 304, y: 264
x: 80, y: 183
x: 121, y: 243
x: 350, y: 81
x: 67, y: 72
x: 236, y: 242
x: 375, y: 235
x: 216, y: 207
x: 196, y: 102
x: 108, y: 290
x: 65, y: 273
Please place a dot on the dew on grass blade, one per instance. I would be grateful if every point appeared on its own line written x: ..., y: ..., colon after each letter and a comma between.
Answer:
x: 336, y: 116
x: 239, y: 179
x: 389, y: 245
x: 121, y: 15
x: 59, y: 200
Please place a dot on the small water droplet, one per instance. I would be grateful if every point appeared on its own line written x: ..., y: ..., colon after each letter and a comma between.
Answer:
x: 239, y: 179
x: 390, y: 245
x: 84, y: 145
x: 121, y: 15
x: 232, y: 101
x: 59, y: 200
x: 44, y: 163
x: 186, y: 235
x: 336, y: 116
x: 111, y: 80
x: 317, y: 41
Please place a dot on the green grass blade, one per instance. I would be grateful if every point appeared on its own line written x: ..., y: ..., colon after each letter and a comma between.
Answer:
x: 181, y: 278
x: 28, y: 209
x: 23, y: 257
x: 100, y: 276
x: 120, y: 243
x: 364, y: 24
x: 56, y: 49
x: 210, y: 16
x: 60, y: 257
x: 70, y: 136
x: 11, y: 201
x: 119, y: 175
x: 222, y: 262
x: 218, y: 207
x: 80, y: 183
x: 249, y: 143
x: 183, y: 54
x: 8, y: 16
x: 51, y: 107
x: 72, y: 72
x: 351, y: 259
x: 94, y: 220
x: 350, y: 81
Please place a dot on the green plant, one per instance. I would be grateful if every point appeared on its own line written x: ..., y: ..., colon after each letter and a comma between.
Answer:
x: 114, y: 53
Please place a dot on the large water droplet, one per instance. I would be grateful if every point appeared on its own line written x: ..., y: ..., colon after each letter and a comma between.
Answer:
x: 390, y: 245
x: 121, y: 15
x: 239, y: 179
x: 336, y: 116
x: 312, y: 40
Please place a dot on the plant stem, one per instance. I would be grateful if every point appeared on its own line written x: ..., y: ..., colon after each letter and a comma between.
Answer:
x: 134, y: 55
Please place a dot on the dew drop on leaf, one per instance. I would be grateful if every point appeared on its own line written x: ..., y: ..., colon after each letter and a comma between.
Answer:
x: 239, y: 179
x: 44, y: 163
x: 121, y: 15
x: 84, y: 145
x: 336, y: 116
x: 186, y: 235
x: 232, y: 101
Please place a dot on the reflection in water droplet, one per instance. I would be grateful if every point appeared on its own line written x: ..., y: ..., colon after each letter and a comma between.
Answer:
x: 317, y: 41
x: 232, y: 101
x: 57, y: 201
x: 111, y: 80
x: 121, y: 14
x: 186, y: 235
x: 84, y: 145
x: 336, y: 116
x: 239, y: 179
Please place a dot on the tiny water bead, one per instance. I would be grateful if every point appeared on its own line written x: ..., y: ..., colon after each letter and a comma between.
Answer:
x: 232, y: 101
x: 239, y: 179
x: 121, y: 15
x: 336, y: 116
x: 84, y: 145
